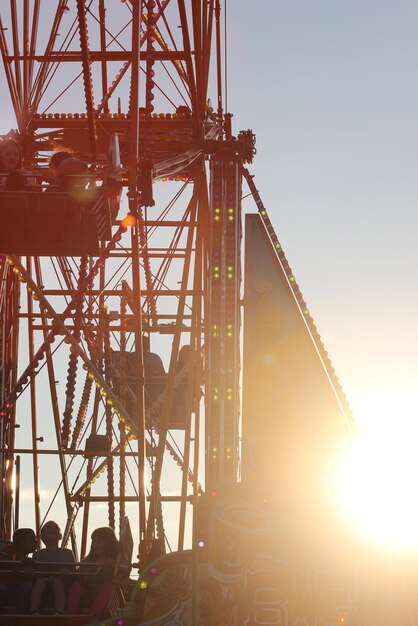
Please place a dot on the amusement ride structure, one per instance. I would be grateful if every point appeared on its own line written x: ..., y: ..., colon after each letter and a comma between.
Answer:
x: 121, y: 296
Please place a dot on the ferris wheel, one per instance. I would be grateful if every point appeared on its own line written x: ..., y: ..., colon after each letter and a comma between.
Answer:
x: 120, y: 304
x: 121, y: 338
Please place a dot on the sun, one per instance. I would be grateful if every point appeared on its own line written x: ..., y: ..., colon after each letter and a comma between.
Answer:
x: 377, y: 486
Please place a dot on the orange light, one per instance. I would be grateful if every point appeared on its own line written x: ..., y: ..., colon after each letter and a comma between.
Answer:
x: 129, y: 221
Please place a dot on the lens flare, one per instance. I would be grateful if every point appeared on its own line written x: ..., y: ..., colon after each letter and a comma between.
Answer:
x: 377, y: 486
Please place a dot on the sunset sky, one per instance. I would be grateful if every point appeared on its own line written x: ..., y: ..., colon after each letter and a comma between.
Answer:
x: 330, y: 89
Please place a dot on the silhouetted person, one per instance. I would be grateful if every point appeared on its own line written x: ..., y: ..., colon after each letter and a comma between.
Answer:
x: 65, y: 172
x: 108, y: 569
x: 17, y: 592
x: 10, y: 165
x: 181, y: 409
x: 155, y: 375
x: 154, y: 372
x: 52, y: 553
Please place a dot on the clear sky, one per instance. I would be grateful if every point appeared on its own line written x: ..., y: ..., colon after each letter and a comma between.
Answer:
x: 330, y: 89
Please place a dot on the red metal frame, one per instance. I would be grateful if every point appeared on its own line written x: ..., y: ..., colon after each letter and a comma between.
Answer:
x: 166, y: 282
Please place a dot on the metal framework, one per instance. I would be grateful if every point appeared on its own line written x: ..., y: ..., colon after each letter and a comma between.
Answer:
x: 73, y: 360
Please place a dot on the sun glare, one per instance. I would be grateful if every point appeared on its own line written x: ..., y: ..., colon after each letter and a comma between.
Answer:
x: 378, y: 487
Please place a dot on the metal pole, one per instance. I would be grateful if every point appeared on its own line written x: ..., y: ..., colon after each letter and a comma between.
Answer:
x: 136, y: 282
x: 17, y: 492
